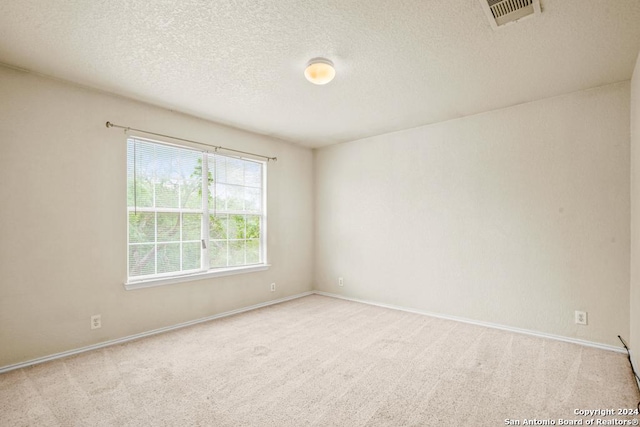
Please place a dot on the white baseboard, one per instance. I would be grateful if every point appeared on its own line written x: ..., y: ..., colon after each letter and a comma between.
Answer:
x: 304, y: 294
x: 633, y: 367
x: 479, y: 323
x: 146, y: 334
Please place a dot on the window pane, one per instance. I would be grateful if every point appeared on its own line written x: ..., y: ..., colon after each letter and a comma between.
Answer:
x: 142, y: 260
x: 165, y: 176
x: 252, y: 199
x: 220, y: 165
x: 253, y: 251
x: 168, y: 257
x: 236, y: 227
x: 166, y: 194
x: 191, y: 226
x: 253, y: 227
x: 142, y: 196
x: 142, y: 227
x: 220, y: 196
x: 218, y: 253
x: 191, y: 254
x: 236, y: 252
x: 235, y: 198
x: 234, y: 171
x: 168, y: 227
x: 139, y: 156
x: 253, y: 174
x: 190, y: 166
x: 218, y: 226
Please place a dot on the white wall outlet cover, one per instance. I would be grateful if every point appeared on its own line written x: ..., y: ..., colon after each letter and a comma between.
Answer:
x: 96, y: 321
x: 581, y: 317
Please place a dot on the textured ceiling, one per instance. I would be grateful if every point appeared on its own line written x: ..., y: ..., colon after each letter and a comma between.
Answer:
x: 400, y: 63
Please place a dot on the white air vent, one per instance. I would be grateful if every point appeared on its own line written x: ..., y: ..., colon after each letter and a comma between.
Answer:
x: 502, y: 12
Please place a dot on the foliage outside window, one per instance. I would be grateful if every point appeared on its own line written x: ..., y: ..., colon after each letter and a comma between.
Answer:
x: 180, y: 225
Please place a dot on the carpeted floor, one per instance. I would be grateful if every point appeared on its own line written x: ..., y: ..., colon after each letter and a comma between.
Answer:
x: 319, y: 361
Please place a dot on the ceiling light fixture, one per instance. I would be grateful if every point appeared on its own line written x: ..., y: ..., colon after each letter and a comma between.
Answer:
x: 320, y: 71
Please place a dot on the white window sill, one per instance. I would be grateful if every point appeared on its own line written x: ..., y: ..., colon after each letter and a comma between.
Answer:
x: 149, y: 283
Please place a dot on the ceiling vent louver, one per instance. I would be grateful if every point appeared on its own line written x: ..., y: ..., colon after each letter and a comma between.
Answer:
x: 502, y: 12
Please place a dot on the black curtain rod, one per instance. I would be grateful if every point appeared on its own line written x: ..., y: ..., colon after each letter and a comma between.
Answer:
x: 216, y: 147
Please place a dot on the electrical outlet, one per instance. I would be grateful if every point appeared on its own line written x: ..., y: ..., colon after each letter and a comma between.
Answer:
x: 581, y: 317
x: 96, y: 321
x: 273, y: 287
x: 340, y: 281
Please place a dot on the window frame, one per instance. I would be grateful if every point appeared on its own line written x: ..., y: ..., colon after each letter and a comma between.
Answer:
x: 160, y: 279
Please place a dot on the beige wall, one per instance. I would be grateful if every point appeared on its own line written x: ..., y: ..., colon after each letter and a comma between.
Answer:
x: 516, y: 217
x: 63, y: 220
x: 635, y: 214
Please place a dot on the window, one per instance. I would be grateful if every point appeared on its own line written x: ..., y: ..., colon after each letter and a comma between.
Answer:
x: 181, y: 226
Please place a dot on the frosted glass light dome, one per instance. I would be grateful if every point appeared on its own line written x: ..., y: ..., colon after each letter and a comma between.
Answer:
x: 320, y: 71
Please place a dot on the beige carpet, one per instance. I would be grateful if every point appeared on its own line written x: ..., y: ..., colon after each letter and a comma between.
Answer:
x: 319, y: 361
